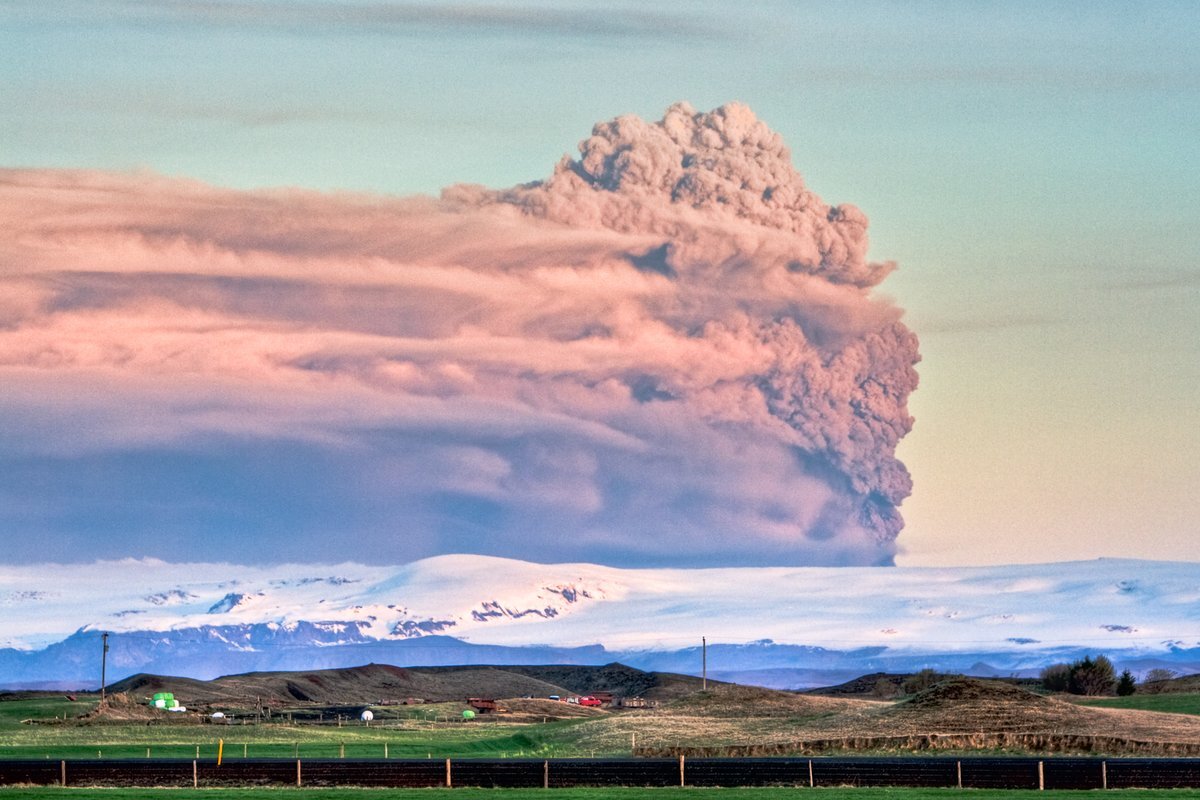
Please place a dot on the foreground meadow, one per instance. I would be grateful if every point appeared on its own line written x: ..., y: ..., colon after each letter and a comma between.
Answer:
x: 958, y: 716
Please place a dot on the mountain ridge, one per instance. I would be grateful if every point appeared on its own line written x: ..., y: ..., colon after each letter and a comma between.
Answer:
x: 824, y: 622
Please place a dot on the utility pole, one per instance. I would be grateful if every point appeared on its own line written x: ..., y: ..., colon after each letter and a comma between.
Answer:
x: 103, y: 667
x: 704, y: 662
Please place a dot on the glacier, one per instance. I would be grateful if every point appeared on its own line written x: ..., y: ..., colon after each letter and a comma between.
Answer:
x: 786, y: 626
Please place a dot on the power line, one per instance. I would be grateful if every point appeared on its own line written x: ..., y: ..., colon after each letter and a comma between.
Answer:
x: 103, y: 667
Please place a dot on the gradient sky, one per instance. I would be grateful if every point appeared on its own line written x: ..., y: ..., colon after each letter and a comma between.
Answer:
x: 1032, y: 167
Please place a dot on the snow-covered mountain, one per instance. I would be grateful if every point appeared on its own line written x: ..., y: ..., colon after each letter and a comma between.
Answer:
x: 209, y: 619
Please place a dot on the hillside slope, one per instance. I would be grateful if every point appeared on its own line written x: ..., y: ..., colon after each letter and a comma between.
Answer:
x: 382, y: 683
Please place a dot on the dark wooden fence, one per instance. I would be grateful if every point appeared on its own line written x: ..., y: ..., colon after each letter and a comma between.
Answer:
x: 968, y: 773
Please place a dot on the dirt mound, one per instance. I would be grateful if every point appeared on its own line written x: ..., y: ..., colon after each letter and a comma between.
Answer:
x: 734, y: 701
x: 122, y: 707
x: 865, y: 686
x: 969, y: 705
x: 958, y: 691
x: 982, y: 713
x: 955, y: 715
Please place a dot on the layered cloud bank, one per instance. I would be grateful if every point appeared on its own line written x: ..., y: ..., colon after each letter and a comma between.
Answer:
x: 667, y: 352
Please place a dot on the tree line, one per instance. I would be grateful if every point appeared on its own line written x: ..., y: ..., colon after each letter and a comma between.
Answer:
x: 1097, y: 676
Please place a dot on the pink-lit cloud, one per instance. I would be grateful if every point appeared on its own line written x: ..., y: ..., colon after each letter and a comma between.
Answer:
x: 669, y: 342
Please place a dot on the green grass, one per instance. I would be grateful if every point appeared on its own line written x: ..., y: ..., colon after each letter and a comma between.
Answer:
x: 43, y: 708
x: 403, y: 739
x: 1171, y: 703
x: 754, y: 793
x: 51, y: 737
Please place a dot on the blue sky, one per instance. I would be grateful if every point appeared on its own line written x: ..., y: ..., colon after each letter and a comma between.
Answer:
x: 1032, y: 167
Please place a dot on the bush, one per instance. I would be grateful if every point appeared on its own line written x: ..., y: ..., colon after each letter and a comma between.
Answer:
x: 1088, y: 676
x: 1155, y: 680
x: 922, y: 681
x: 1092, y: 676
x: 1056, y: 677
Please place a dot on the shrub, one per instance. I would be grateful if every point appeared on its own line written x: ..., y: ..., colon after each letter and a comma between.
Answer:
x: 1092, y: 676
x: 1089, y: 676
x: 922, y: 681
x: 1056, y: 677
x: 1155, y: 679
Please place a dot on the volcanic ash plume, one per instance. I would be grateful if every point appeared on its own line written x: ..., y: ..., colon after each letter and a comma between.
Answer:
x: 668, y: 351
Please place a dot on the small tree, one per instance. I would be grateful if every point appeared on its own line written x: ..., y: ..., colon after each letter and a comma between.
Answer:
x: 1125, y: 684
x: 1092, y: 676
x: 1156, y: 679
x: 1056, y: 677
x: 921, y: 681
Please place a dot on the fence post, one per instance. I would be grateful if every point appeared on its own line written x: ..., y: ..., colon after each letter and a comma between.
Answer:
x: 811, y: 782
x: 62, y: 766
x: 1041, y: 776
x: 195, y: 776
x: 546, y: 774
x: 297, y: 772
x: 1103, y: 774
x: 682, y: 782
x: 449, y: 782
x: 958, y: 765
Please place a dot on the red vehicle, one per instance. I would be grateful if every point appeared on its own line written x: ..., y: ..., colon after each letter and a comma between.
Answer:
x: 589, y: 701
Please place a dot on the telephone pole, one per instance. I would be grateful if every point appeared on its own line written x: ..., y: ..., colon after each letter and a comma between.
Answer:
x: 704, y: 662
x: 103, y: 667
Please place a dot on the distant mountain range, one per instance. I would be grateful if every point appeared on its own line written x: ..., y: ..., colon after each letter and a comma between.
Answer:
x: 786, y: 627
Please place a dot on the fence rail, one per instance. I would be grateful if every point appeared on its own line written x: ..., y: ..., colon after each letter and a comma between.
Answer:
x: 931, y: 772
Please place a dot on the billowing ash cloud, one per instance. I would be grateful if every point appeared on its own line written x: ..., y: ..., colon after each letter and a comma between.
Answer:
x: 667, y: 352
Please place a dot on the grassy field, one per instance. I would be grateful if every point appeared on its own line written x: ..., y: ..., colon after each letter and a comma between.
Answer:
x: 733, y: 721
x: 755, y: 793
x: 1170, y: 703
x: 42, y: 708
x: 404, y: 738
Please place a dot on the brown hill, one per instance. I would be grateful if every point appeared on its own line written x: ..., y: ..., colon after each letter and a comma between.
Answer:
x: 966, y: 705
x: 864, y: 686
x: 381, y: 683
x: 620, y: 680
x: 892, y: 685
x: 743, y: 702
x: 959, y: 715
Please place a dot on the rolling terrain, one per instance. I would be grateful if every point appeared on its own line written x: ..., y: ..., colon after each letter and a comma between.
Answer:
x: 953, y: 715
x: 384, y: 684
